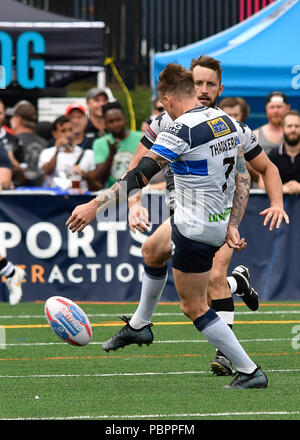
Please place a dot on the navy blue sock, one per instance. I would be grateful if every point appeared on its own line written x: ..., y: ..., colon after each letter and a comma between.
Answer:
x: 204, y: 320
x: 156, y: 272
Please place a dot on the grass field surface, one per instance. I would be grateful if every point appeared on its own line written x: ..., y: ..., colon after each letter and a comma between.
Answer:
x: 41, y: 377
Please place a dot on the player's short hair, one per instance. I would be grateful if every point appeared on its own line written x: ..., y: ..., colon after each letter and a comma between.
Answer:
x: 176, y: 80
x: 209, y: 63
x: 290, y: 113
x: 115, y: 105
x: 232, y: 101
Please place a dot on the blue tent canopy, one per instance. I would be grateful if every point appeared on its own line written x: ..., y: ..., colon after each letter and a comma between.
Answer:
x: 257, y: 56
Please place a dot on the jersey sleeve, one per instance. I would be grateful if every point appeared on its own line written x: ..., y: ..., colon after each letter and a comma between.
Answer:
x: 157, y: 125
x: 248, y: 139
x: 173, y: 141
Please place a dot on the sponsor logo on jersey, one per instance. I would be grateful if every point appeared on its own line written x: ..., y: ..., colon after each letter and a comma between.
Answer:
x: 219, y: 127
x: 220, y: 216
x: 174, y: 128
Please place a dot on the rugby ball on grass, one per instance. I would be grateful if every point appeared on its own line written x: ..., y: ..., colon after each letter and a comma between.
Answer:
x: 68, y: 321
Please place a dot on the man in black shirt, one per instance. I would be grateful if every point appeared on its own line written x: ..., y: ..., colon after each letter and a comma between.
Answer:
x: 287, y: 156
x: 95, y: 99
x: 30, y: 145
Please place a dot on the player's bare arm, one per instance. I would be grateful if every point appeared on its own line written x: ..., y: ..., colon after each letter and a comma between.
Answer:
x: 240, y: 200
x: 273, y: 185
x: 135, y: 179
x: 138, y: 216
x: 140, y: 152
x: 241, y: 195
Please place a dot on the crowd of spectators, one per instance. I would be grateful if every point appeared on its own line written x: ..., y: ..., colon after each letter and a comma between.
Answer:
x: 93, y: 145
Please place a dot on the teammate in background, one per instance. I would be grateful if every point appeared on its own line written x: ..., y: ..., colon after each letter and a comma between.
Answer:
x: 158, y: 108
x: 270, y: 135
x: 14, y: 276
x: 197, y: 157
x: 239, y: 109
x: 157, y: 248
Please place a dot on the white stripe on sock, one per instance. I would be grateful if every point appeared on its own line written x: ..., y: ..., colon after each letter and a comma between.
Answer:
x: 8, y: 269
x: 232, y: 284
x: 227, y: 317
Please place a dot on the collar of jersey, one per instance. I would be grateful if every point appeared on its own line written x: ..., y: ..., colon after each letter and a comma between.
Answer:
x: 195, y: 109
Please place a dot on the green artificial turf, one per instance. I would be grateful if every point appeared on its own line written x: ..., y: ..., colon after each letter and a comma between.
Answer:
x: 41, y: 377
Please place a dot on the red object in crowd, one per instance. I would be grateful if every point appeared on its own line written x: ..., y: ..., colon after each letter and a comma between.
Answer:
x: 8, y: 130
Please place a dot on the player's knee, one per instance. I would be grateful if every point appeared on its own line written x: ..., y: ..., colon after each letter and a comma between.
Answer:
x: 154, y: 254
x: 193, y: 310
x: 147, y: 253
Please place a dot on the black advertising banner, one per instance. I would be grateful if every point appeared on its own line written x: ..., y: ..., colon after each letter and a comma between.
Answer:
x: 39, y: 49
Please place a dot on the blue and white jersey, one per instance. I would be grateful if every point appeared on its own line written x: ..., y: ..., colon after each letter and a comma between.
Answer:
x: 247, y: 138
x: 202, y: 146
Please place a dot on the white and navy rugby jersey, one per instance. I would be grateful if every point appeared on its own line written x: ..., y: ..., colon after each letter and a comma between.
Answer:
x: 202, y: 146
x: 247, y: 138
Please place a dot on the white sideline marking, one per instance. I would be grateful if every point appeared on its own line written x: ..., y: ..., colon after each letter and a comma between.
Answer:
x: 160, y: 416
x: 115, y: 315
x: 184, y: 341
x: 150, y: 373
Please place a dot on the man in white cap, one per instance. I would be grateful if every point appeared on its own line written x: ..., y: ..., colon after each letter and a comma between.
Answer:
x: 270, y: 135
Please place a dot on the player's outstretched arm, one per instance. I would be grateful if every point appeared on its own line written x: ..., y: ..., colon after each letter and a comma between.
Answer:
x: 135, y: 179
x: 140, y: 152
x: 273, y: 185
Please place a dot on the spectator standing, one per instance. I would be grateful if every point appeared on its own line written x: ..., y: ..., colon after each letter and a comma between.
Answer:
x: 44, y: 130
x: 65, y: 159
x: 6, y: 169
x: 23, y: 123
x: 7, y: 140
x: 236, y: 107
x: 270, y: 135
x: 95, y: 99
x: 114, y: 151
x: 287, y: 156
